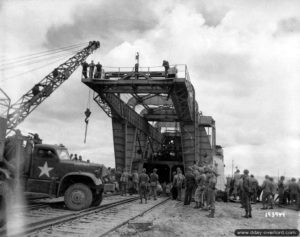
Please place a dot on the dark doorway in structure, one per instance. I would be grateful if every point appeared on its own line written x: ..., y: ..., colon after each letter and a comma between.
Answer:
x: 163, y: 171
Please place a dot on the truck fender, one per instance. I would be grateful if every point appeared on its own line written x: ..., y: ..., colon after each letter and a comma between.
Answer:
x: 96, y: 181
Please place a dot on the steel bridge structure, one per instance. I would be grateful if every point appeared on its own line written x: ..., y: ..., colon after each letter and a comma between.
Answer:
x: 151, y: 110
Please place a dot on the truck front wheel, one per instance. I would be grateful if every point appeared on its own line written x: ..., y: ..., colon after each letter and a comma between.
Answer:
x: 78, y: 196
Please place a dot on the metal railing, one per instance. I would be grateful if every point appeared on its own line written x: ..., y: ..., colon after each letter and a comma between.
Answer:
x: 182, y: 71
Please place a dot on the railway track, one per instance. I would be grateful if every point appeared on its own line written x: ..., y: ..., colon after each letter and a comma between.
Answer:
x: 41, y: 218
x: 98, y: 222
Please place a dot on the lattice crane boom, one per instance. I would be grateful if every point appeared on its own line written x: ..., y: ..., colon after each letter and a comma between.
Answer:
x: 34, y: 97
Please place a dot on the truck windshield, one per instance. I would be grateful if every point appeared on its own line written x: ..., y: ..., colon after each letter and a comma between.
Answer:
x: 63, y: 154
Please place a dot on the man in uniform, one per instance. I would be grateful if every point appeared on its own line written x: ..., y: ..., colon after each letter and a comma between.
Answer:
x: 211, y: 192
x: 177, y: 183
x: 236, y: 178
x: 247, y: 194
x: 124, y: 182
x: 143, y: 183
x: 254, y: 187
x: 190, y: 183
x: 98, y: 70
x: 166, y: 65
x: 173, y: 188
x: 267, y: 191
x: 273, y: 192
x: 241, y: 191
x: 118, y: 175
x: 135, y: 180
x: 293, y: 191
x: 154, y: 182
x: 92, y: 66
x: 281, y: 191
x: 199, y: 194
x: 298, y: 195
x: 85, y: 66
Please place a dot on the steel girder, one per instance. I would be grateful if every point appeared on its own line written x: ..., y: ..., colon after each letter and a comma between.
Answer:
x: 122, y: 110
x: 29, y: 102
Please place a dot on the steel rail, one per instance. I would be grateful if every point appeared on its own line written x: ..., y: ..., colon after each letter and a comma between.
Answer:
x: 132, y: 218
x: 32, y: 227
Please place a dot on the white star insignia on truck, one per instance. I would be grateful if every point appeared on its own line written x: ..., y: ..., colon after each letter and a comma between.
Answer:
x: 45, y: 170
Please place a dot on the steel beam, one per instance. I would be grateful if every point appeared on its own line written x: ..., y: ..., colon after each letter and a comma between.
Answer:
x: 125, y: 112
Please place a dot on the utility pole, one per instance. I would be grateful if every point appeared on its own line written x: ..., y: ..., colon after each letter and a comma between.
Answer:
x: 232, y: 168
x: 136, y: 66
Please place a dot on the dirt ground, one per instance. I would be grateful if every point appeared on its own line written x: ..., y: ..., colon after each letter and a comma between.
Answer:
x: 175, y: 219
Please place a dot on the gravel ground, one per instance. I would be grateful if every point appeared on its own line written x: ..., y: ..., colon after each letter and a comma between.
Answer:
x: 174, y: 219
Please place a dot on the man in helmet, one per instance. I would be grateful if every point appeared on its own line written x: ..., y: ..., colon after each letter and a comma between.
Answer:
x: 143, y: 184
x: 154, y: 183
x: 247, y: 194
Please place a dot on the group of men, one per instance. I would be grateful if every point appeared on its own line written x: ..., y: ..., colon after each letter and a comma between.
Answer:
x: 248, y: 190
x: 199, y: 182
x: 288, y: 192
x: 140, y: 183
x: 95, y: 70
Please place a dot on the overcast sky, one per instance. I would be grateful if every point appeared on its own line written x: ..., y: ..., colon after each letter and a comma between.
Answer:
x: 243, y: 58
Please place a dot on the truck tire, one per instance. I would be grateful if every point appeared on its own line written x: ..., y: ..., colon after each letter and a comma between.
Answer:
x: 97, y: 199
x: 78, y: 196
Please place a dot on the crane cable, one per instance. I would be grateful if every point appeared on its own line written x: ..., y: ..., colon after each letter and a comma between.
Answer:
x: 35, y: 59
x: 87, y: 114
x: 23, y: 57
x: 57, y: 59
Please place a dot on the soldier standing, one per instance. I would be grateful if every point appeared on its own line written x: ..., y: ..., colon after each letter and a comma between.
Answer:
x: 293, y: 191
x: 98, y: 70
x: 190, y: 182
x: 173, y: 188
x: 135, y: 180
x: 211, y: 193
x: 281, y: 190
x: 177, y: 183
x: 236, y: 178
x: 118, y: 175
x: 241, y: 191
x: 267, y: 190
x: 273, y: 192
x: 143, y: 183
x: 254, y: 186
x: 85, y: 66
x: 298, y: 195
x: 166, y: 65
x: 199, y: 194
x: 92, y: 66
x: 154, y: 182
x: 247, y: 194
x: 124, y: 182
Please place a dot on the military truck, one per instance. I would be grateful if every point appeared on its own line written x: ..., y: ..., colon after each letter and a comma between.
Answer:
x: 47, y: 170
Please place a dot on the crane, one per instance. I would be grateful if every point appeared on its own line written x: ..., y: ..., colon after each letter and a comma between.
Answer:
x: 19, y: 110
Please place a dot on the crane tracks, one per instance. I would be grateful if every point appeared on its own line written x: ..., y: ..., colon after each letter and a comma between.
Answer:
x: 100, y: 222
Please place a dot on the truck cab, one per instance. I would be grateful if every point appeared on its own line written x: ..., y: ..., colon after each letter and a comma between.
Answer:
x: 47, y: 170
x: 50, y: 171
